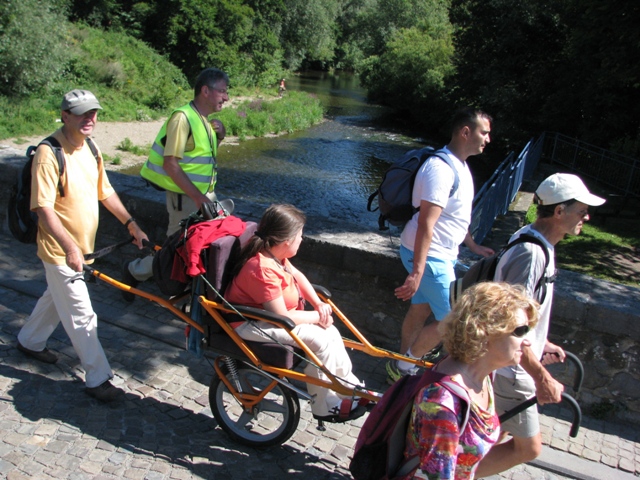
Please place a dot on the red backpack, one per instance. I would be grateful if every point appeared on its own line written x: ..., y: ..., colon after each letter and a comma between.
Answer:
x: 379, y: 450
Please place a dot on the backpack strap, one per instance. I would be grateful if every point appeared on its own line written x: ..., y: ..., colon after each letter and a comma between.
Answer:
x: 54, y: 145
x: 93, y: 148
x: 444, y: 156
x: 541, y: 284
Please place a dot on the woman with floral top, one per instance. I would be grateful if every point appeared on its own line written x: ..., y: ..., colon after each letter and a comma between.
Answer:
x: 484, y: 331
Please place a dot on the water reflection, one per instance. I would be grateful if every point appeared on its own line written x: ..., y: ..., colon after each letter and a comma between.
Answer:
x: 328, y: 170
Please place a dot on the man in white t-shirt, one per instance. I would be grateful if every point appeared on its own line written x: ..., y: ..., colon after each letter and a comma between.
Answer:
x: 563, y: 207
x: 430, y: 240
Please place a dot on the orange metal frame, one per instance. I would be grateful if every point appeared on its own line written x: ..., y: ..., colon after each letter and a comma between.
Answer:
x: 248, y: 400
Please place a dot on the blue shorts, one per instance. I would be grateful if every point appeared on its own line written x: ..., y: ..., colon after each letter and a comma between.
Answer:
x: 435, y: 283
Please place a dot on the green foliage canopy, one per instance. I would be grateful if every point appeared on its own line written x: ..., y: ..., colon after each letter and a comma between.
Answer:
x: 414, y: 59
x: 32, y: 45
x: 560, y: 66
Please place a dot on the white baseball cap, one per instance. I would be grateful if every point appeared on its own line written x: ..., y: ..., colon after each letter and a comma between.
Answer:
x: 561, y: 187
x: 79, y: 102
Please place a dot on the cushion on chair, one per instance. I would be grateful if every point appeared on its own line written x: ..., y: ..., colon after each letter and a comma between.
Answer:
x: 222, y: 255
x: 273, y: 354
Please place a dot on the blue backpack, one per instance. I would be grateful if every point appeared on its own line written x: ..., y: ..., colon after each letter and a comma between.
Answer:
x: 396, y: 189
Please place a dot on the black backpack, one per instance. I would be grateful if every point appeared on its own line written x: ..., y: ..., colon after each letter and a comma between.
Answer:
x: 396, y: 189
x: 23, y: 223
x: 485, y: 270
x: 163, y: 259
x: 379, y: 450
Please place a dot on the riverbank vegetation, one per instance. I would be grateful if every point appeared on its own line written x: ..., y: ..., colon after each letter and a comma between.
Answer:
x: 43, y: 55
x: 534, y: 65
x: 259, y: 117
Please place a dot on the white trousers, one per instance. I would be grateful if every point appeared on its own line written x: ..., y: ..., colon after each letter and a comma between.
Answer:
x: 328, y: 347
x: 142, y: 268
x: 66, y: 300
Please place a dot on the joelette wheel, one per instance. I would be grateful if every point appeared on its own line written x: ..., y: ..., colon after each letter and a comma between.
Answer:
x: 272, y: 421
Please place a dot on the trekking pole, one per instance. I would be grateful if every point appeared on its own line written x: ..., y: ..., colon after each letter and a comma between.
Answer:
x: 107, y: 250
x: 577, y: 413
x: 577, y: 384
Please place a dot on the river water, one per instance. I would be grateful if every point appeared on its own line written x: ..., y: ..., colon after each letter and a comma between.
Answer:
x: 328, y: 170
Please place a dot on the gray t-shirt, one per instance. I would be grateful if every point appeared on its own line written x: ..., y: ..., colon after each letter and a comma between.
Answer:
x: 523, y: 264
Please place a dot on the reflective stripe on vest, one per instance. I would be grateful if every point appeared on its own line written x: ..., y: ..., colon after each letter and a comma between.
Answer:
x: 198, y: 164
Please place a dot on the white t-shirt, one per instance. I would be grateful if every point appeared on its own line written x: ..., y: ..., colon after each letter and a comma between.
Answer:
x: 433, y: 184
x: 524, y: 265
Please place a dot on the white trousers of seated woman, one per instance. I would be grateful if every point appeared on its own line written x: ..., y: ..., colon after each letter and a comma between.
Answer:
x: 327, y: 345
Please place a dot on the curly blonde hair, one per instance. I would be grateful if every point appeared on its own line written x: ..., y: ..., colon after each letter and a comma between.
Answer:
x: 485, y: 310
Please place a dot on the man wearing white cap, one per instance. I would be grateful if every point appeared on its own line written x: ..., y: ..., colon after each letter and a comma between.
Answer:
x: 563, y: 207
x: 67, y: 209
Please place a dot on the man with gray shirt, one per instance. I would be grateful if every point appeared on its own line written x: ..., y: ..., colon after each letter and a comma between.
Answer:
x: 563, y: 207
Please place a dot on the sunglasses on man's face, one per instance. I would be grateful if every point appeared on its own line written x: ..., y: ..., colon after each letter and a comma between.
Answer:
x: 521, y: 331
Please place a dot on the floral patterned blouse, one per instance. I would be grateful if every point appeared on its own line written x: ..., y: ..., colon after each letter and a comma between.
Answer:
x: 434, y: 435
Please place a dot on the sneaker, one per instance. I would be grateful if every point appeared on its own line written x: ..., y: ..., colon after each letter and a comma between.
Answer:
x: 434, y: 355
x: 104, y: 392
x: 44, y: 356
x: 129, y: 280
x: 394, y: 373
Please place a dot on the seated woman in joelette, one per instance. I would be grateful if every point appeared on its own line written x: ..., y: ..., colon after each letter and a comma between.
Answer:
x: 267, y: 280
x: 484, y: 331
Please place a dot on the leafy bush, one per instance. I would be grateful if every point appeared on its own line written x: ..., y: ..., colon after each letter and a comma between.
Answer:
x: 136, y: 76
x: 127, y: 145
x: 131, y: 80
x: 32, y: 45
x: 412, y: 70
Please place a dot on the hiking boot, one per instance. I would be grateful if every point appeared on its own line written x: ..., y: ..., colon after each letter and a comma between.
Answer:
x: 394, y: 373
x: 104, y: 392
x: 129, y: 280
x: 434, y: 355
x: 44, y: 356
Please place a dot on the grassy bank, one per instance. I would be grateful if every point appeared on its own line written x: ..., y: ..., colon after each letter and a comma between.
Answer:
x: 263, y: 115
x: 134, y: 83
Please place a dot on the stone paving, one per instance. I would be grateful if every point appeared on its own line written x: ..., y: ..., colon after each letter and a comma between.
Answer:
x: 163, y: 427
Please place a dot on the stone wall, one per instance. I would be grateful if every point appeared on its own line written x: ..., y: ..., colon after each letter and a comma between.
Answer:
x: 596, y: 320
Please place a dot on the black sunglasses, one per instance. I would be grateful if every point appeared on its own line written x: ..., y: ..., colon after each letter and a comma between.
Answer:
x: 521, y: 331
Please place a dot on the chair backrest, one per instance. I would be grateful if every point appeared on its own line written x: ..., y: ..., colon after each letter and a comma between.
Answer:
x: 223, y: 253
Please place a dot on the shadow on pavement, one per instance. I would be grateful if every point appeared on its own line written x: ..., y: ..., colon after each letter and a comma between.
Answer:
x: 146, y: 427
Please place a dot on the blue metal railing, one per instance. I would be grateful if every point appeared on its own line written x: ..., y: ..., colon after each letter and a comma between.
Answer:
x: 609, y: 169
x: 498, y: 192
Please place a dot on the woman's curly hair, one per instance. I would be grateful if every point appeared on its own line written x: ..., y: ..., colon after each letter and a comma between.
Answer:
x: 484, y: 310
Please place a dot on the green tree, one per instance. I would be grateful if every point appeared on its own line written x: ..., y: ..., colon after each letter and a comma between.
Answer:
x: 309, y: 31
x: 413, y: 67
x: 410, y: 71
x: 597, y: 93
x: 506, y: 55
x: 32, y: 45
x: 562, y: 66
x: 195, y: 34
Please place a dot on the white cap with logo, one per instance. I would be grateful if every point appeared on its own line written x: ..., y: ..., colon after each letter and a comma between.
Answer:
x: 561, y: 187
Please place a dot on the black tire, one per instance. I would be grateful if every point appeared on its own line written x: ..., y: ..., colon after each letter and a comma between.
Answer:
x: 273, y: 420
